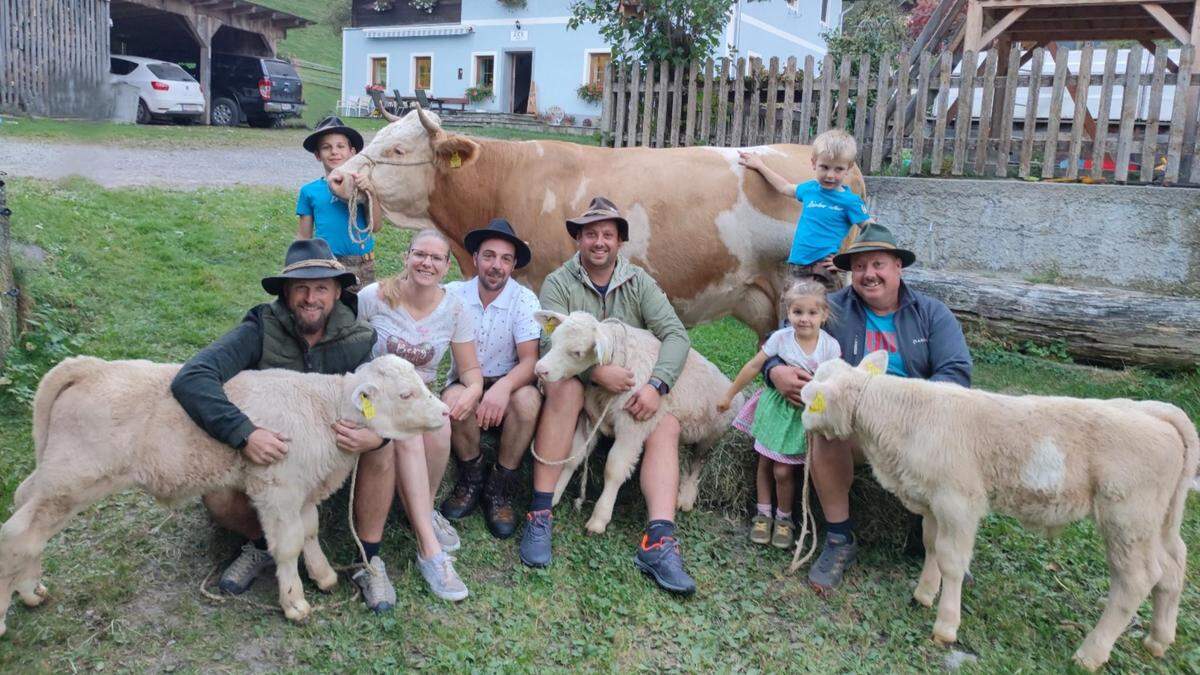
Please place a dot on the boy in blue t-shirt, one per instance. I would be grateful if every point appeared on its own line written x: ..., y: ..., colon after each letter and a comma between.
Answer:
x: 832, y: 213
x: 324, y: 215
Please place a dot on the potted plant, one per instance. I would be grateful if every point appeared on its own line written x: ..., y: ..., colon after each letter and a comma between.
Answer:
x: 426, y: 6
x: 479, y: 94
x: 592, y: 92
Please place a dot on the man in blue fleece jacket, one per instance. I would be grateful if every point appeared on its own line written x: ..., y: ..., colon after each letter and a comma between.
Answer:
x: 878, y: 311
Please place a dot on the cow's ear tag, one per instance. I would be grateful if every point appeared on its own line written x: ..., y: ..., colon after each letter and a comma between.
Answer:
x: 455, y: 160
x: 368, y: 408
x: 549, y: 325
x: 818, y: 403
x: 873, y: 369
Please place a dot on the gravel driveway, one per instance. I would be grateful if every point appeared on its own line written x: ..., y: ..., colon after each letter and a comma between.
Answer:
x: 116, y: 166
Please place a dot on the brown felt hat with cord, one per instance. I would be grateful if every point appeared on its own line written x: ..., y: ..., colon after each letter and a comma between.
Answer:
x: 874, y: 237
x: 600, y: 209
x: 309, y: 259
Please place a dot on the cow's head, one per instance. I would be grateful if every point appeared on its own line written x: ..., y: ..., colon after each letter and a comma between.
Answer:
x: 832, y: 395
x: 398, y: 168
x: 392, y: 400
x: 576, y: 344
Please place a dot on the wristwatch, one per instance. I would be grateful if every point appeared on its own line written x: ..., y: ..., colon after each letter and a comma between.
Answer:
x: 661, y: 386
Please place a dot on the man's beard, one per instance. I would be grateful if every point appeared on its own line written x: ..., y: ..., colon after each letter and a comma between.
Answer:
x: 311, y: 327
x: 491, y: 285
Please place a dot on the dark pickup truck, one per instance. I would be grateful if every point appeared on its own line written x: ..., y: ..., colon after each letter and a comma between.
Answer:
x: 257, y: 90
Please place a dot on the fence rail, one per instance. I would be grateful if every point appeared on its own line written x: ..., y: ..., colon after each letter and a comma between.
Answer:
x: 1135, y: 124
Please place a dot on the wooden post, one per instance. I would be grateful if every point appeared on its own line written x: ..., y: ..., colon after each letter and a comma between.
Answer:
x: 843, y: 100
x: 647, y: 103
x: 966, y: 101
x: 1191, y: 133
x: 1007, y: 108
x: 619, y: 125
x: 1079, y: 98
x: 1129, y: 111
x: 631, y: 123
x: 660, y: 127
x: 676, y: 103
x: 972, y: 38
x: 1179, y: 116
x: 689, y: 131
x: 739, y: 102
x: 806, y: 101
x: 1029, y: 128
x: 1149, y: 151
x: 722, y: 102
x: 706, y: 103
x: 606, y: 113
x: 919, y: 114
x: 750, y: 135
x: 901, y: 100
x: 1050, y: 149
x: 1101, y: 137
x: 860, y: 104
x: 879, y: 118
x: 983, y: 145
x: 939, y: 127
x: 825, y: 96
x: 789, y: 93
x: 769, y: 134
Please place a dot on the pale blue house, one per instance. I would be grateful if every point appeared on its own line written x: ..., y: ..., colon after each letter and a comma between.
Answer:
x: 516, y: 50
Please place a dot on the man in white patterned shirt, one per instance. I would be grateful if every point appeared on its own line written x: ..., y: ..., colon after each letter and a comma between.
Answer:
x: 507, y: 343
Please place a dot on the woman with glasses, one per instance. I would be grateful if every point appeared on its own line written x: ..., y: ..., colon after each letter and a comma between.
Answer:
x: 417, y: 320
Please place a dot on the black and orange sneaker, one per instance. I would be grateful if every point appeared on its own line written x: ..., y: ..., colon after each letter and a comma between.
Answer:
x: 662, y: 561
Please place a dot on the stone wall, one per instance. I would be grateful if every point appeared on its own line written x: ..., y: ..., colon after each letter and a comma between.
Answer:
x: 1133, y: 237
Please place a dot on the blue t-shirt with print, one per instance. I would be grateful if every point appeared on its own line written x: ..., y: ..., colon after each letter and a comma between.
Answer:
x: 824, y: 222
x: 881, y: 334
x: 331, y: 218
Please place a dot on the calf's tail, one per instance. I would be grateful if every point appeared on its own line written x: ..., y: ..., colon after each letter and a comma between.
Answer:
x: 1177, y: 418
x: 60, y: 377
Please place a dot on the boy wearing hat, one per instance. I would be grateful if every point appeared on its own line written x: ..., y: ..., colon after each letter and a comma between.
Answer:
x: 507, y: 344
x: 323, y: 215
x: 311, y: 326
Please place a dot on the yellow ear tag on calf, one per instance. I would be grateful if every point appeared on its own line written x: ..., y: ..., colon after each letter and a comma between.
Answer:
x: 818, y: 403
x: 873, y: 369
x: 455, y: 161
x: 368, y: 408
x: 549, y: 325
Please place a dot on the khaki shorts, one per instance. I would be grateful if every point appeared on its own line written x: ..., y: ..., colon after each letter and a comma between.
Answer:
x: 363, y: 267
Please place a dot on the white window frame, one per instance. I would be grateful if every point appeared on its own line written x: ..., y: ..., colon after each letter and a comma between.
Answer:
x: 587, y: 62
x: 826, y: 12
x: 475, y: 65
x: 412, y: 72
x: 387, y: 70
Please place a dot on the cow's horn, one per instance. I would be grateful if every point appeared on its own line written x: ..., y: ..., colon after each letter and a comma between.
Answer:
x: 430, y: 127
x: 377, y: 97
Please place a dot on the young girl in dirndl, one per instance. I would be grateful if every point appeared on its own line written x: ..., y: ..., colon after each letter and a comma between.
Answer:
x: 772, y: 420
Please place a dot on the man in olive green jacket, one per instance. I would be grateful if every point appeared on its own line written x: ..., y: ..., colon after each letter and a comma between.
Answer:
x: 599, y: 281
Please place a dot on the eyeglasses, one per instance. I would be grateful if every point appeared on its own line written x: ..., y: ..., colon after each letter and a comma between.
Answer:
x: 432, y: 257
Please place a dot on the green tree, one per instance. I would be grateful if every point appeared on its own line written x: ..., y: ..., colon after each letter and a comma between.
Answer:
x: 673, y: 30
x: 875, y: 27
x: 337, y: 16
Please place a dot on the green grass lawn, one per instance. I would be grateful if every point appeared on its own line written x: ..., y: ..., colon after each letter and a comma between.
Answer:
x: 148, y: 273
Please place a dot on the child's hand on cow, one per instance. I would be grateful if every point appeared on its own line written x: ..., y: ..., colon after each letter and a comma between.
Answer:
x: 644, y: 403
x: 615, y: 379
x: 465, y: 405
x: 355, y: 440
x: 750, y: 160
x: 725, y: 404
x: 264, y: 446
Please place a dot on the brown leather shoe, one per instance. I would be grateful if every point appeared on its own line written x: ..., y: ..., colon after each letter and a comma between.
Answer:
x: 498, y: 510
x: 468, y: 486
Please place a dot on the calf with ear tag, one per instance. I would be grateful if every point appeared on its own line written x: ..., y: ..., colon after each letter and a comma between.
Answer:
x: 548, y: 320
x: 875, y: 363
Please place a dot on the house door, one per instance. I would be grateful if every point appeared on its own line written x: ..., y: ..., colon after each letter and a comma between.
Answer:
x: 520, y: 69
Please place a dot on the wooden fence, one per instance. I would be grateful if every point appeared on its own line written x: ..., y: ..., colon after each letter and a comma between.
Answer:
x: 904, y: 110
x: 54, y: 57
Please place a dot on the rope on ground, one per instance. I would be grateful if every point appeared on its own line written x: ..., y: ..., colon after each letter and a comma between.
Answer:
x: 222, y: 599
x: 808, y: 522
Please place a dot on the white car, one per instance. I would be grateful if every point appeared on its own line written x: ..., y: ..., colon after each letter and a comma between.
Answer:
x: 164, y: 89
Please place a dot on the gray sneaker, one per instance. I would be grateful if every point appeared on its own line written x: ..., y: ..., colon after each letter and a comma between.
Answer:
x: 377, y: 589
x: 446, y: 535
x: 244, y: 569
x: 839, y: 553
x: 442, y: 579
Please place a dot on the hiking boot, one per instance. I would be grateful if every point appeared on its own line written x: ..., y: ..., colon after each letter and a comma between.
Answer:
x: 446, y: 535
x: 377, y: 589
x: 661, y: 560
x: 760, y: 529
x: 498, y: 510
x: 244, y: 569
x: 467, y: 488
x: 535, y: 540
x: 785, y: 533
x: 839, y: 553
x: 442, y: 579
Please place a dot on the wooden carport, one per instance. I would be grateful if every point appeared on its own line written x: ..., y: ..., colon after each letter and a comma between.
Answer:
x: 234, y: 26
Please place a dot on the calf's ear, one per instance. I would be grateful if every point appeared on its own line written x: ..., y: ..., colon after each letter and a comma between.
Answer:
x: 549, y: 320
x: 875, y: 363
x: 454, y: 151
x: 362, y: 396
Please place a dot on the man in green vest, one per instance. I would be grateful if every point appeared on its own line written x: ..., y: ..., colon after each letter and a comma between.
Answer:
x: 311, y: 327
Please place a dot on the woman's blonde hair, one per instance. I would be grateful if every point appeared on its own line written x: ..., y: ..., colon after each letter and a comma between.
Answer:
x: 836, y: 145
x: 390, y: 289
x: 807, y: 288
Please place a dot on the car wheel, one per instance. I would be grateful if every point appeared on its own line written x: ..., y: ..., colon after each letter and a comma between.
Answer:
x: 225, y: 113
x: 143, y: 113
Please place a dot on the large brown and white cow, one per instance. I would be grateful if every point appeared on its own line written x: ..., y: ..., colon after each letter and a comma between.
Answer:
x: 713, y: 234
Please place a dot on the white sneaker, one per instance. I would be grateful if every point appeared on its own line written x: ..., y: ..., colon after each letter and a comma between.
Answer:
x: 443, y: 581
x: 446, y: 535
x: 377, y: 589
